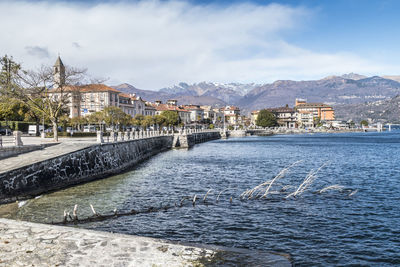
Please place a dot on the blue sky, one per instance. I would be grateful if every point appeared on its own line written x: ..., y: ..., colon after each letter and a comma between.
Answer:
x: 153, y: 44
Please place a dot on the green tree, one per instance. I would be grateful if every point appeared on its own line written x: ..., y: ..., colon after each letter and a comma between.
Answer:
x: 12, y: 109
x: 148, y: 121
x: 76, y: 122
x: 317, y: 121
x: 64, y: 120
x: 171, y: 117
x: 266, y: 119
x: 364, y: 123
x: 115, y: 116
x: 137, y: 120
x: 9, y: 74
x: 160, y: 120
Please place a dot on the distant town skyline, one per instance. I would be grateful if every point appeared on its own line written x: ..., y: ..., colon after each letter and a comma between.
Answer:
x: 155, y: 44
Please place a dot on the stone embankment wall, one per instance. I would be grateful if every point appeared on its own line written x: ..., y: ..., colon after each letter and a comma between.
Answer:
x: 94, y: 162
x: 186, y: 140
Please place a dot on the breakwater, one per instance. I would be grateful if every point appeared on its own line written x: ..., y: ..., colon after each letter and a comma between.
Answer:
x: 86, y: 164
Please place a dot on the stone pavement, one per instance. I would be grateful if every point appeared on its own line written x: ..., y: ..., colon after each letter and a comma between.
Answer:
x: 31, y: 244
x: 43, y: 154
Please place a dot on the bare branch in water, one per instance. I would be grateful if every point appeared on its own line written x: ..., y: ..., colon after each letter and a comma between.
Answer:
x: 194, y: 200
x: 353, y: 193
x: 221, y: 193
x: 205, y: 196
x: 94, y: 212
x: 331, y: 187
x: 311, y: 176
x: 280, y: 175
x: 259, y: 188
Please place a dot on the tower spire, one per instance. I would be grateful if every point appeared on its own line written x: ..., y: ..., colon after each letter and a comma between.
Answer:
x: 59, y: 72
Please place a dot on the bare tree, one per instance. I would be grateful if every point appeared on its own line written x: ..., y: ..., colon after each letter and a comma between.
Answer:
x: 56, y: 95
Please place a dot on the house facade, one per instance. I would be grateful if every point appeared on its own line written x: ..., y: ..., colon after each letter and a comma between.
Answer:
x: 318, y: 110
x: 302, y: 115
x: 285, y: 116
x: 196, y: 113
x: 87, y: 99
x: 231, y: 114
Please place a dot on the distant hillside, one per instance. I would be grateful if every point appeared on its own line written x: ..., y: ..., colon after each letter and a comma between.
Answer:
x: 336, y: 90
x: 164, y: 95
x: 377, y: 111
x: 228, y: 93
x: 144, y: 94
x: 332, y: 90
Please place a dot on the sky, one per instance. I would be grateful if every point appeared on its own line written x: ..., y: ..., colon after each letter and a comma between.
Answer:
x: 154, y: 44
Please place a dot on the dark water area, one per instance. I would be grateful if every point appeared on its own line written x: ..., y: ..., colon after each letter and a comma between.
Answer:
x: 357, y: 225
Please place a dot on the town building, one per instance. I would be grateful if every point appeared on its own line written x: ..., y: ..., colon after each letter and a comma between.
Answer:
x: 318, y: 110
x: 208, y: 112
x: 196, y: 113
x: 184, y: 115
x: 149, y: 110
x: 139, y: 105
x: 83, y: 100
x: 302, y: 115
x: 218, y: 116
x: 285, y: 116
x: 231, y: 114
x: 254, y: 116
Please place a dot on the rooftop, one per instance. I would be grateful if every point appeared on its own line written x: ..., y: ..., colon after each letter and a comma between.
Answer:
x: 312, y: 105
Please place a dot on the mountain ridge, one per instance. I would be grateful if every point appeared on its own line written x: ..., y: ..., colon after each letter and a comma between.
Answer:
x: 341, y: 90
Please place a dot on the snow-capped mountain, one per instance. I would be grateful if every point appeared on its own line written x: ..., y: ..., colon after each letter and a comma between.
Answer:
x: 229, y: 92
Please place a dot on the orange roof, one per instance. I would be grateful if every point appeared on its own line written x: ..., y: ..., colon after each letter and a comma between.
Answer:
x: 125, y: 95
x: 230, y: 108
x: 312, y: 105
x: 87, y: 88
x: 149, y: 107
x: 281, y: 110
x: 164, y: 107
x: 191, y: 107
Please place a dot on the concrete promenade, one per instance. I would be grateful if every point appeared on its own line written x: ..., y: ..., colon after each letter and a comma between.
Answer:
x: 41, y: 155
x: 32, y: 244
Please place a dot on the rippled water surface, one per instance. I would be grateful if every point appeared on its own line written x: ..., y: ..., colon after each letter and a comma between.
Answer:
x: 331, y: 228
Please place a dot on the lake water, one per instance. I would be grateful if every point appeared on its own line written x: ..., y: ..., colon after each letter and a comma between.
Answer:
x: 358, y: 225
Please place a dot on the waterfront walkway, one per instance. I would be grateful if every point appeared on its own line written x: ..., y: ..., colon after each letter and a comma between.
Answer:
x: 32, y: 244
x: 65, y: 147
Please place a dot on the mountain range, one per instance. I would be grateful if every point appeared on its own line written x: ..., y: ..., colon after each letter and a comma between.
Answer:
x: 340, y: 91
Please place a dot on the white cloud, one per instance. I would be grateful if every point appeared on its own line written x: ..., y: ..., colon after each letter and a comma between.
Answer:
x: 152, y: 44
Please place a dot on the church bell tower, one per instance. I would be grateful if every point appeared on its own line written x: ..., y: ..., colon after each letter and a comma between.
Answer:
x: 59, y: 73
